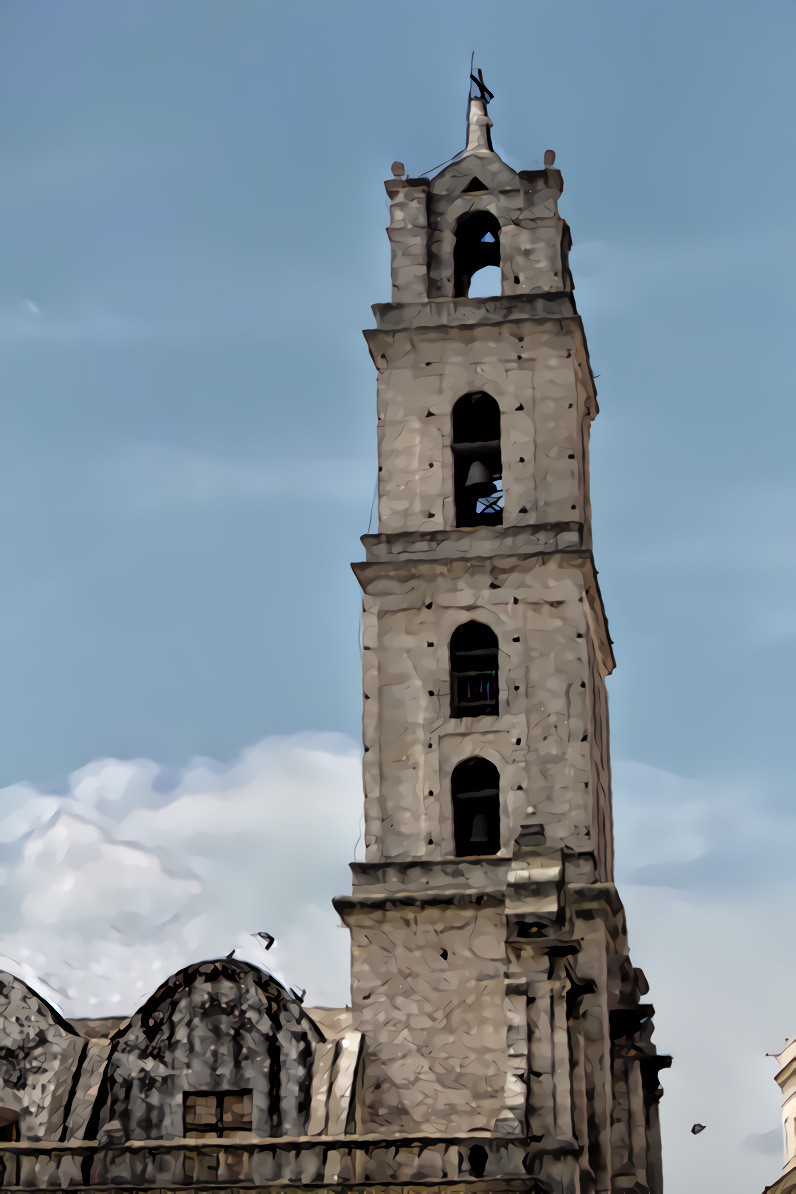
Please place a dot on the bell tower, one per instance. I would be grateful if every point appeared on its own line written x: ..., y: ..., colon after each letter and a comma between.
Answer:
x: 490, y: 970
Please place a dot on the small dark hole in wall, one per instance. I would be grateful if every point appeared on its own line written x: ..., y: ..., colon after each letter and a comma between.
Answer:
x: 477, y: 1158
x: 443, y: 953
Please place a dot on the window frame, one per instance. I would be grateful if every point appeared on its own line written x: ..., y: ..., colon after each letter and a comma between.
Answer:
x: 215, y: 1128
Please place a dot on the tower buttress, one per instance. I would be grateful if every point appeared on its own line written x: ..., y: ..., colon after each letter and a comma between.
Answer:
x: 490, y: 975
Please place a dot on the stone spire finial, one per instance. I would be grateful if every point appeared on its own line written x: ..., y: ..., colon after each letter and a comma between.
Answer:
x: 478, y: 122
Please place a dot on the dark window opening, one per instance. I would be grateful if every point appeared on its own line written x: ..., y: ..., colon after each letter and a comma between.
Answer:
x: 475, y: 796
x: 9, y: 1125
x: 477, y: 463
x: 217, y: 1113
x: 477, y: 245
x: 474, y: 671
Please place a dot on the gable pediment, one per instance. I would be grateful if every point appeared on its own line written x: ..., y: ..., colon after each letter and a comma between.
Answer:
x: 479, y: 171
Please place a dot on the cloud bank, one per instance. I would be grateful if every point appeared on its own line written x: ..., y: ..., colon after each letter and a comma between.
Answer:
x: 135, y: 870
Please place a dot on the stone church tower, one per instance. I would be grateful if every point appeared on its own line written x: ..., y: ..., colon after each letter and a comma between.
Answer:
x: 490, y: 973
x: 498, y: 1038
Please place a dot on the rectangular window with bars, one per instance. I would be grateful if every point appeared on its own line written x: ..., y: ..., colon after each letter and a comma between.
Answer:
x: 217, y: 1113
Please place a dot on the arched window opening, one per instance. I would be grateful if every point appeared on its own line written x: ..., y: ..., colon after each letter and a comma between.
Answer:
x: 474, y: 671
x: 475, y: 797
x: 477, y: 464
x: 9, y: 1125
x: 477, y: 245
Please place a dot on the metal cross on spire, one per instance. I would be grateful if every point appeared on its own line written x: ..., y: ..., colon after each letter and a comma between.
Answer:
x: 484, y: 94
x: 478, y: 122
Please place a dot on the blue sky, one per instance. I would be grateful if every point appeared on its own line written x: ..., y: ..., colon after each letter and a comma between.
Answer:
x: 192, y: 226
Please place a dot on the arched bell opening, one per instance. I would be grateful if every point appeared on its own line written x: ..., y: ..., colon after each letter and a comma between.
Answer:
x: 9, y: 1125
x: 476, y: 245
x: 475, y: 799
x: 477, y: 463
x: 474, y: 671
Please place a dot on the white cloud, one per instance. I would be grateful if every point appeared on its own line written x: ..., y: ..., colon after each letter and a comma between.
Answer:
x: 136, y: 871
x: 112, y: 887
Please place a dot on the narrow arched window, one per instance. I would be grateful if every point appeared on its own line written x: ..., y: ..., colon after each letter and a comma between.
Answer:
x: 476, y: 246
x: 477, y: 464
x: 474, y: 671
x: 475, y: 799
x: 9, y: 1125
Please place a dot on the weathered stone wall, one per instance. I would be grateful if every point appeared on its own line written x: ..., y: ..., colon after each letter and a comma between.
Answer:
x: 534, y: 240
x: 428, y: 990
x: 538, y: 608
x: 39, y: 1053
x: 218, y: 1026
x: 529, y: 368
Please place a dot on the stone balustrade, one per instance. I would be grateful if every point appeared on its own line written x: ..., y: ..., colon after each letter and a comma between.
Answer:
x: 321, y: 1162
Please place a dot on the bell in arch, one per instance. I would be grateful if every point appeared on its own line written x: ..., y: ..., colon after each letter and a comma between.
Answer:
x: 479, y: 480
